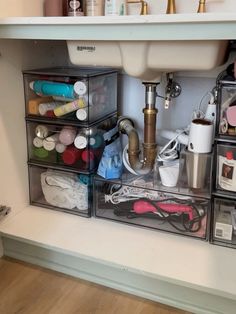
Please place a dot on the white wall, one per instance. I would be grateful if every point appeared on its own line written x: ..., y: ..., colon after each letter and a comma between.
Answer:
x: 180, y: 111
x: 12, y: 128
x: 21, y: 8
x: 15, y: 57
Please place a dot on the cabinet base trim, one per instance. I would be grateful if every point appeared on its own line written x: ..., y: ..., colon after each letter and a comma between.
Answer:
x: 121, y: 279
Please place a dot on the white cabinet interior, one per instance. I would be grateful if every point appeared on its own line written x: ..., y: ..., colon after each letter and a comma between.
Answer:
x: 202, y: 272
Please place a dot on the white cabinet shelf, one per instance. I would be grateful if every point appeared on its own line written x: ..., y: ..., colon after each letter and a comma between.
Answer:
x: 151, y: 27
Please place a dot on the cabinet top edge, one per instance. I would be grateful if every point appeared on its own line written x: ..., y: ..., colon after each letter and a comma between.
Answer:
x: 129, y: 19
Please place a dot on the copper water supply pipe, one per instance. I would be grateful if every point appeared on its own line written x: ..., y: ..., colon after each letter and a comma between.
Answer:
x: 126, y: 126
x: 171, y: 9
x: 144, y: 6
x: 202, y: 6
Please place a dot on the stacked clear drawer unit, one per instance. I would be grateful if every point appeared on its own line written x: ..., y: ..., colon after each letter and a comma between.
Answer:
x: 223, y: 228
x: 81, y: 95
x: 144, y: 201
x: 67, y: 112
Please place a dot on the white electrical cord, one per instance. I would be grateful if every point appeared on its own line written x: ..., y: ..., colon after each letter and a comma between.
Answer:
x: 126, y: 163
x: 170, y: 154
x: 131, y: 193
x: 199, y: 114
x: 164, y: 155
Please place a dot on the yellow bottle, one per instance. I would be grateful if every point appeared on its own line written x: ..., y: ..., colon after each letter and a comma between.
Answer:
x: 70, y: 107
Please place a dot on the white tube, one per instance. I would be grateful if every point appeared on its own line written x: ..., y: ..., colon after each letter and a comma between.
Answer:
x: 81, y: 141
x: 50, y: 142
x: 38, y: 142
x: 44, y: 107
x: 60, y: 148
x: 82, y: 114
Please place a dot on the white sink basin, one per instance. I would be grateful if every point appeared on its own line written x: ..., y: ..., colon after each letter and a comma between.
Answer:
x: 148, y: 59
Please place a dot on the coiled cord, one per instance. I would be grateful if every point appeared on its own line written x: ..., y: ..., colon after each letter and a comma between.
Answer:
x: 189, y: 225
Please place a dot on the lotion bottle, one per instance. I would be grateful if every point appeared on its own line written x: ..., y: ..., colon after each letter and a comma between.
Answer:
x: 94, y: 7
x: 53, y: 8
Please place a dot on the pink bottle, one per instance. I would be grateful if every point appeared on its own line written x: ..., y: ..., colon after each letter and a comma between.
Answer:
x: 88, y: 157
x: 71, y: 155
x: 67, y: 135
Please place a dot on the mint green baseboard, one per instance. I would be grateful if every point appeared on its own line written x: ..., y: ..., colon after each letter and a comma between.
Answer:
x: 119, y: 278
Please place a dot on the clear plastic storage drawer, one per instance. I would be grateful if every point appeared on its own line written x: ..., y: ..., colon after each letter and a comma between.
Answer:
x: 82, y: 95
x: 72, y: 147
x: 224, y: 222
x: 227, y: 110
x: 226, y: 168
x: 136, y: 202
x: 60, y: 190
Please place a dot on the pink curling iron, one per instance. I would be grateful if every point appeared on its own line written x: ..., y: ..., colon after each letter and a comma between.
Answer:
x: 142, y: 207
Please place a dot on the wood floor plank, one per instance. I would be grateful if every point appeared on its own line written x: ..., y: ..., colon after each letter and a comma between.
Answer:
x: 28, y: 289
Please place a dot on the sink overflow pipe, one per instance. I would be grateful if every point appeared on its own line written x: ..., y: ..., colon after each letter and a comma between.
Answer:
x: 126, y: 126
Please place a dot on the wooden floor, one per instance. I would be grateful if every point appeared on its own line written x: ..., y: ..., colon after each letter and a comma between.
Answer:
x: 27, y: 289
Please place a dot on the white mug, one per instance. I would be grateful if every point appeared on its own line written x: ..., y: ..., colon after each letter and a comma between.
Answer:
x: 169, y: 174
x: 200, y: 136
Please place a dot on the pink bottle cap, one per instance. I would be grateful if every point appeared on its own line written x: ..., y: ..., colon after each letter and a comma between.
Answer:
x: 87, y: 155
x: 229, y: 155
x: 50, y: 114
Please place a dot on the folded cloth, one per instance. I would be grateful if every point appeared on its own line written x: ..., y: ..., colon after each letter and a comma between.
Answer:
x: 64, y: 190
